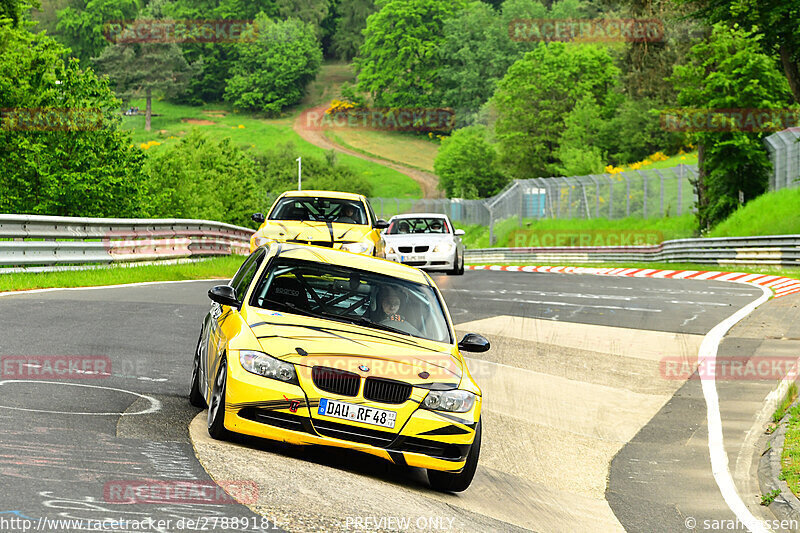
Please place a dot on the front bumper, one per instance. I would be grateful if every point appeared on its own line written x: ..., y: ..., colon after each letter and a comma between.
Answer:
x: 279, y: 411
x: 426, y: 260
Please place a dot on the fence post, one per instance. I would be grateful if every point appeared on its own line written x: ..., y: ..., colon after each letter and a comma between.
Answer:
x: 610, y: 195
x: 596, y: 198
x: 680, y: 189
x: 627, y: 195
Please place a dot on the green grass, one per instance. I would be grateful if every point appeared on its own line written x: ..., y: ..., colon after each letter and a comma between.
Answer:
x: 790, y: 456
x: 773, y: 213
x: 217, y: 267
x: 406, y: 149
x: 256, y: 134
x: 671, y: 228
x: 788, y: 400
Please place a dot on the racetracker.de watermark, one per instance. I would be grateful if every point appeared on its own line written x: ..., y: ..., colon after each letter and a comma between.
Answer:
x: 531, y: 238
x: 729, y: 120
x: 383, y: 119
x: 50, y: 119
x: 586, y: 30
x: 401, y: 523
x: 180, y: 492
x: 55, y: 366
x: 179, y: 31
x: 728, y: 368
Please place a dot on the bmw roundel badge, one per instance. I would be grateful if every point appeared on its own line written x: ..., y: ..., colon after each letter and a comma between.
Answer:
x: 363, y: 368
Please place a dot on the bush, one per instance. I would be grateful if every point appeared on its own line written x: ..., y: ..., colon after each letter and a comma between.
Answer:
x: 467, y: 165
x: 273, y: 71
x: 277, y: 172
x: 203, y: 178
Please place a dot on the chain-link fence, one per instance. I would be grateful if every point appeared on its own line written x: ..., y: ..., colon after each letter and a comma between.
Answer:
x: 638, y: 193
x: 784, y: 150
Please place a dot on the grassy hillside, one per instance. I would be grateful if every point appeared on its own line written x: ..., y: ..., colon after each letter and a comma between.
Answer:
x: 172, y: 121
x: 773, y: 213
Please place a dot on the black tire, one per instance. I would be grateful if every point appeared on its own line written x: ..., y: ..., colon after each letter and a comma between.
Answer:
x: 448, y: 482
x: 216, y: 407
x: 458, y: 266
x: 195, y: 396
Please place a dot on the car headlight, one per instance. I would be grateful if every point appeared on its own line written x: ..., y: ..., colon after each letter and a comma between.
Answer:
x: 444, y: 247
x: 389, y: 250
x: 455, y: 401
x: 260, y: 241
x: 267, y: 366
x: 356, y: 247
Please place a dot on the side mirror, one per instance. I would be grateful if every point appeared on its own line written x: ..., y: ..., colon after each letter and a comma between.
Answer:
x: 459, y: 232
x: 381, y: 224
x: 224, y: 295
x: 258, y: 218
x: 472, y: 342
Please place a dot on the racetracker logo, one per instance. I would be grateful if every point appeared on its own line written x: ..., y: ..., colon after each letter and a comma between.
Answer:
x: 383, y: 119
x: 180, y: 492
x: 55, y: 366
x: 180, y: 31
x: 586, y: 30
x: 589, y: 238
x: 728, y: 120
x: 52, y: 119
x: 731, y: 368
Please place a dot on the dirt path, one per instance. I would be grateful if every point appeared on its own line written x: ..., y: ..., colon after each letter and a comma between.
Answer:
x: 428, y: 182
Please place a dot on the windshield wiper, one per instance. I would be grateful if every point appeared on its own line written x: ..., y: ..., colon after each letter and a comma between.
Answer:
x: 288, y: 306
x: 361, y: 321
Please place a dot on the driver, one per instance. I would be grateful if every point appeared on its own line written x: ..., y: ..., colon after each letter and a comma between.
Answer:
x: 348, y: 215
x: 389, y: 306
x: 436, y: 226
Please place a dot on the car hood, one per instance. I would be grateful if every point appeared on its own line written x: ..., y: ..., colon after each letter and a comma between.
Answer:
x: 419, y: 239
x: 345, y: 346
x: 313, y: 231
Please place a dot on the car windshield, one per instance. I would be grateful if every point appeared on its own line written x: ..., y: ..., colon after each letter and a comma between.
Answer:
x: 355, y: 296
x: 319, y: 209
x: 401, y: 226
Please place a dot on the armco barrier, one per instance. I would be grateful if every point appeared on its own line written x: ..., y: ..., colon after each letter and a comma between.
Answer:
x: 33, y: 240
x: 783, y: 250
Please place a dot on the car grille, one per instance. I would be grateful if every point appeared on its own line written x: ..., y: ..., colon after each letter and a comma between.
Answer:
x: 421, y: 248
x: 381, y: 439
x: 275, y: 418
x: 327, y: 244
x: 415, y: 263
x: 449, y: 452
x: 336, y: 381
x: 404, y: 249
x: 386, y: 390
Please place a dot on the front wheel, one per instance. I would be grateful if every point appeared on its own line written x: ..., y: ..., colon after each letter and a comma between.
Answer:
x: 216, y: 408
x: 195, y: 396
x: 458, y: 266
x: 449, y: 482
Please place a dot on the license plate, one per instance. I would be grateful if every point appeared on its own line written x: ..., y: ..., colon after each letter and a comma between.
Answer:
x: 411, y: 258
x: 357, y: 413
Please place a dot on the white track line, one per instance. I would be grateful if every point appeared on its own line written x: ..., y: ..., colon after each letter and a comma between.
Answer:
x: 716, y: 447
x: 94, y: 287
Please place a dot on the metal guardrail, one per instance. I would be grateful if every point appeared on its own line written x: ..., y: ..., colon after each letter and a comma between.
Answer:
x: 34, y: 240
x: 783, y: 250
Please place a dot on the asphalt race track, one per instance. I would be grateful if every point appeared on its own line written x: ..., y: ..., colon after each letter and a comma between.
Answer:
x: 571, y: 381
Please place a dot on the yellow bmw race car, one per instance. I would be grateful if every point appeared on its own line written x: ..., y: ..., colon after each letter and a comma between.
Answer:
x: 309, y: 345
x: 323, y: 218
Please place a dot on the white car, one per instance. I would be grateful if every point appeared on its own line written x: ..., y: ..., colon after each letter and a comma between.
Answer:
x: 425, y: 240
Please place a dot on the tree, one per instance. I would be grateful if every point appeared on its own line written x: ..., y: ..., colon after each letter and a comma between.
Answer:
x: 273, y: 71
x: 535, y: 96
x: 398, y: 64
x: 144, y: 68
x: 777, y: 22
x: 578, y: 150
x: 13, y: 10
x: 350, y: 25
x: 82, y: 29
x: 75, y: 160
x: 467, y: 165
x: 204, y: 178
x: 730, y: 71
x: 311, y: 12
